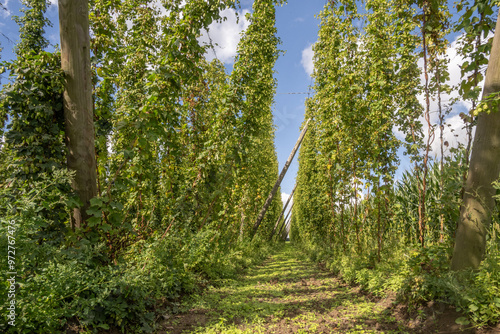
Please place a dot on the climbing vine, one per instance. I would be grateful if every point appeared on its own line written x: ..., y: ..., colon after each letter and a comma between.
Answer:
x: 382, y: 87
x: 185, y: 158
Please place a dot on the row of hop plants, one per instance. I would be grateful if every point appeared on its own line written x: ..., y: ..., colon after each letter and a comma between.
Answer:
x: 350, y: 210
x: 417, y: 274
x: 185, y: 159
x: 69, y: 282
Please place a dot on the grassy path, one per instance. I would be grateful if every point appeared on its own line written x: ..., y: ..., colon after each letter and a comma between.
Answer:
x: 284, y: 295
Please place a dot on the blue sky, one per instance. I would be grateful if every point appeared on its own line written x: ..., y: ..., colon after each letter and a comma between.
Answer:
x: 10, y: 29
x: 297, y: 29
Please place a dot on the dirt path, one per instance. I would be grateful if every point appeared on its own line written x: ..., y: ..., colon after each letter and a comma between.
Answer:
x: 289, y: 295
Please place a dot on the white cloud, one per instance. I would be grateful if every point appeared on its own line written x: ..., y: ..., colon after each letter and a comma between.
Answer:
x: 284, y: 198
x: 307, y: 60
x: 5, y: 13
x: 225, y: 35
x: 53, y: 3
x: 54, y: 38
x: 454, y: 131
x: 160, y: 8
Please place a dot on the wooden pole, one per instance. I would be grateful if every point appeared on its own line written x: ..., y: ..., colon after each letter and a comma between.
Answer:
x: 286, y: 218
x: 484, y: 168
x: 287, y: 229
x: 78, y: 107
x: 282, y: 212
x: 269, y: 199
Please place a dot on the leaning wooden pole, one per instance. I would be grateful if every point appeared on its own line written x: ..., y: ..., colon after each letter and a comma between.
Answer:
x: 269, y: 199
x: 286, y: 219
x: 287, y: 229
x: 282, y: 212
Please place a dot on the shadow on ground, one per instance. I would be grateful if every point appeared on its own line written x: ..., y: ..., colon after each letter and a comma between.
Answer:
x: 288, y: 295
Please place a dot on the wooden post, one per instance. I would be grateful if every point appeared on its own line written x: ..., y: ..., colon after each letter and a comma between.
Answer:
x: 260, y: 217
x: 484, y: 168
x: 282, y: 212
x: 78, y: 107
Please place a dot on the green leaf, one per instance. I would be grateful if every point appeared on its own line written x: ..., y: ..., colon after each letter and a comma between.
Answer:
x: 106, y: 227
x: 462, y: 321
x: 103, y: 326
x: 96, y: 201
x: 94, y: 212
x: 93, y: 221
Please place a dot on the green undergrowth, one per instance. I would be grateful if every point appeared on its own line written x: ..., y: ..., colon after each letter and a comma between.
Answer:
x: 71, y: 282
x: 74, y: 288
x: 287, y: 293
x: 419, y: 275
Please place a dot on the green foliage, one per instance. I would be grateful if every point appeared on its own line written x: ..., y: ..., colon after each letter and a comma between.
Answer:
x: 363, y: 101
x: 31, y: 104
x: 476, y: 293
x: 418, y: 275
x: 349, y: 212
x: 443, y: 200
x: 64, y: 281
x: 185, y: 159
x: 423, y: 281
x: 32, y: 27
x: 38, y: 237
x: 476, y: 23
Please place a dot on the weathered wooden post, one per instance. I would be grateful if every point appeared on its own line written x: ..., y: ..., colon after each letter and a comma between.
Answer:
x: 78, y: 107
x: 478, y: 200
